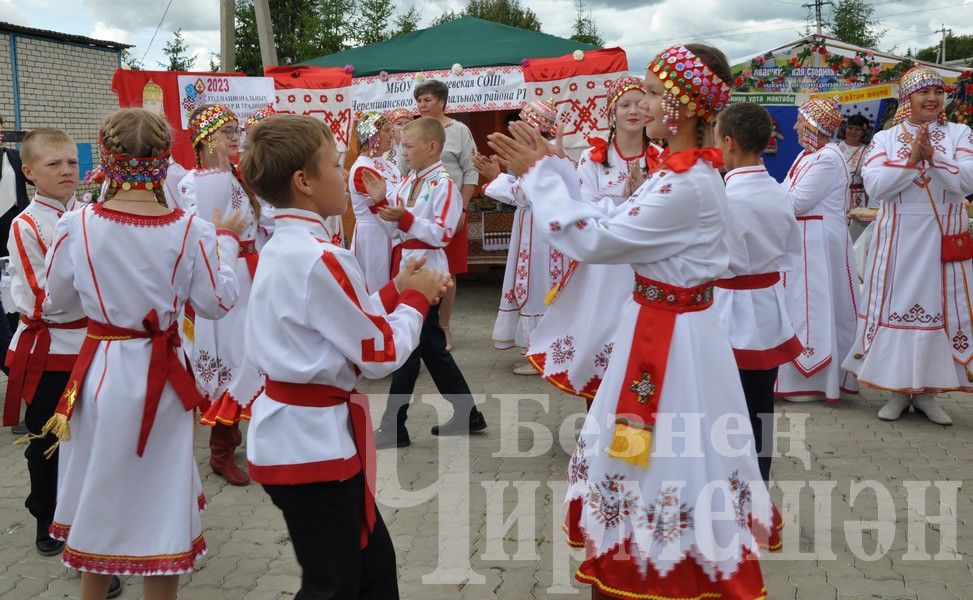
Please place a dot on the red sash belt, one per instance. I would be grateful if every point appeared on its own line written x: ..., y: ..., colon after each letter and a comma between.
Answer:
x: 165, y: 365
x: 29, y: 362
x: 321, y: 396
x: 645, y: 373
x: 412, y: 244
x: 749, y: 282
x: 248, y: 252
x: 810, y: 218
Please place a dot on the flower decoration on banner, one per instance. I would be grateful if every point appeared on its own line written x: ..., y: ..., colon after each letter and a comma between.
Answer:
x: 457, y: 69
x: 578, y: 55
x: 349, y: 69
x: 420, y: 77
x: 960, y: 109
x: 524, y: 63
x: 383, y: 76
x: 765, y: 71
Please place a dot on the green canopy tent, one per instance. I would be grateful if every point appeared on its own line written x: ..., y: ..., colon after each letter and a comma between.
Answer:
x: 468, y: 41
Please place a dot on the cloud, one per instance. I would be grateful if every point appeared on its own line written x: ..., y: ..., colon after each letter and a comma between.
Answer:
x: 10, y: 14
x: 110, y: 34
x: 133, y: 16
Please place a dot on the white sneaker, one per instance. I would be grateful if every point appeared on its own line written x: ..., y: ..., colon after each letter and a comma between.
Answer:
x: 525, y: 368
x: 928, y: 405
x: 894, y: 408
x: 798, y: 399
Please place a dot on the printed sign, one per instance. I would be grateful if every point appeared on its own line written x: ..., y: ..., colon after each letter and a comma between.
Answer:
x: 244, y: 95
x: 473, y: 90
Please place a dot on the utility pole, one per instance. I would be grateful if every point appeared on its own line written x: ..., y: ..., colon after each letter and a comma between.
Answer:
x: 817, y: 5
x: 265, y: 33
x: 942, y: 44
x: 227, y: 36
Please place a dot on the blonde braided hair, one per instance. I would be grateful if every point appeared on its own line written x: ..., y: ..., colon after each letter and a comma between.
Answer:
x: 136, y: 133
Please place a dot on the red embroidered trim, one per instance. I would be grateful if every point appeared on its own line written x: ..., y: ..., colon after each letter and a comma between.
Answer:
x: 138, y: 220
x: 163, y: 564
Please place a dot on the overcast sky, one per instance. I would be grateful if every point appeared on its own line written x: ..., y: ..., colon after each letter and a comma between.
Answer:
x: 641, y: 27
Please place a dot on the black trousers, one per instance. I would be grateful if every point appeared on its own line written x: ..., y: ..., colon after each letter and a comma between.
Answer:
x: 43, y: 471
x: 442, y: 368
x: 324, y: 521
x: 758, y: 387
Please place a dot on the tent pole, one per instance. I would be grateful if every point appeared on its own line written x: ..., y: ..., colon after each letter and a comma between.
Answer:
x: 265, y: 32
x: 227, y: 36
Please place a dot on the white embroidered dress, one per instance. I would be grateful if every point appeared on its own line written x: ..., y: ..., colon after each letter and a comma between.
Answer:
x: 822, y: 291
x: 371, y: 242
x: 533, y: 268
x: 571, y: 345
x: 677, y: 512
x: 118, y: 512
x: 914, y: 333
x: 215, y: 348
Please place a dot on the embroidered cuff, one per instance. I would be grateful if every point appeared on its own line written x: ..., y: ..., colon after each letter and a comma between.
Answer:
x: 405, y: 223
x: 416, y: 301
x: 378, y: 206
x: 944, y: 166
x: 232, y: 234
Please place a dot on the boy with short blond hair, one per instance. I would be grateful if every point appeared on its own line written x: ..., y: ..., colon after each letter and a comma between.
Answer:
x: 426, y: 209
x: 312, y: 329
x: 45, y: 346
x: 750, y: 298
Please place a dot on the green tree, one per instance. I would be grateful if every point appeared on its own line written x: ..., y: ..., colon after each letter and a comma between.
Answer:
x: 585, y: 29
x: 336, y: 24
x: 854, y: 21
x: 508, y: 12
x: 129, y: 60
x: 957, y: 47
x: 408, y: 21
x: 374, y: 21
x: 295, y: 31
x: 176, y: 51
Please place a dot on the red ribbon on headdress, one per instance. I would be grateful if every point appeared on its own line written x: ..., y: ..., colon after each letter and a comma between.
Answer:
x: 599, y: 149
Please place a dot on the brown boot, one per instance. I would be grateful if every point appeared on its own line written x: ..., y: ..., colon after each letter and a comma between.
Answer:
x: 221, y: 446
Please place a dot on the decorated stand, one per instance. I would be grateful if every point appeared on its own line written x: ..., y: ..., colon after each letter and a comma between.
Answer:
x: 864, y: 81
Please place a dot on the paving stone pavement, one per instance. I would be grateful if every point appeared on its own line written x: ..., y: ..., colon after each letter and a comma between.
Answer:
x: 448, y: 507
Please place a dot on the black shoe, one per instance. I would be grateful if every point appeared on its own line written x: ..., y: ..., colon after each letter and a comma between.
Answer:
x: 19, y: 429
x: 46, y: 545
x: 461, y: 426
x: 114, y: 588
x: 385, y: 438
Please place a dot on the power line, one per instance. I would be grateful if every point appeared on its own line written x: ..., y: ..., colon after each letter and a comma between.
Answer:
x: 149, y: 47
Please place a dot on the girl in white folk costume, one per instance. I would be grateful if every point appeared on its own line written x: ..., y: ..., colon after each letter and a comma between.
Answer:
x: 913, y: 337
x: 533, y: 265
x: 571, y: 345
x: 215, y: 348
x: 853, y: 143
x: 371, y: 242
x: 655, y: 524
x: 130, y: 499
x: 398, y: 118
x: 822, y: 292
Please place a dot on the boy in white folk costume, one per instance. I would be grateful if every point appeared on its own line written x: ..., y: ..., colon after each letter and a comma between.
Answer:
x: 913, y: 338
x: 215, y: 348
x: 750, y: 298
x: 426, y: 209
x: 371, y: 242
x: 573, y: 342
x: 313, y: 329
x: 648, y: 518
x: 822, y: 291
x: 533, y: 265
x: 130, y: 499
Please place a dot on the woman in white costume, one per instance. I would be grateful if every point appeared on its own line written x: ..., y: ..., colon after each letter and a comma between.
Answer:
x: 371, y: 241
x: 215, y: 348
x: 822, y: 292
x: 658, y: 524
x: 913, y: 338
x: 533, y: 266
x: 571, y: 345
x: 130, y: 499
